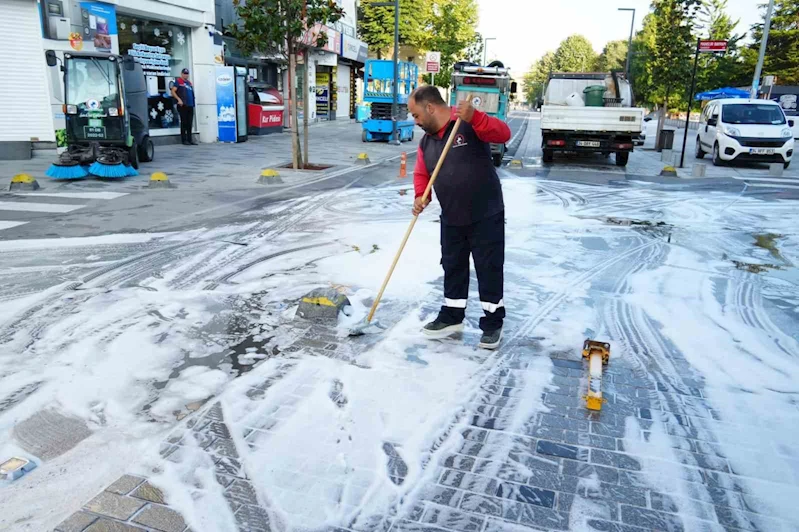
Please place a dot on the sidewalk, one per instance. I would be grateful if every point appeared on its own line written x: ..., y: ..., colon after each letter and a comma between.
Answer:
x: 230, y: 166
x: 728, y: 171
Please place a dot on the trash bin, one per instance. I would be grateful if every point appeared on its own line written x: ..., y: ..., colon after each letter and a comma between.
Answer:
x: 666, y: 139
x: 594, y: 96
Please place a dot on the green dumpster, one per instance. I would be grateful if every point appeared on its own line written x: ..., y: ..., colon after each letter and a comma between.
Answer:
x: 593, y: 96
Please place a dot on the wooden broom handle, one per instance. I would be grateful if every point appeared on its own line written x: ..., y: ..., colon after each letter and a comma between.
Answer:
x: 425, y: 196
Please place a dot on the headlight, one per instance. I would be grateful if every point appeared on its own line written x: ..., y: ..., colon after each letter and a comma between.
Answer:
x: 113, y: 111
x: 732, y: 131
x: 787, y: 132
x: 72, y: 109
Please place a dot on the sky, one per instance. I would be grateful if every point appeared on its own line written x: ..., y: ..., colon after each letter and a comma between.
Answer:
x: 526, y: 29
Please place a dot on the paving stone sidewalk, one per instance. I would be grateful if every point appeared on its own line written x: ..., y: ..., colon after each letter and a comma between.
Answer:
x: 208, y: 166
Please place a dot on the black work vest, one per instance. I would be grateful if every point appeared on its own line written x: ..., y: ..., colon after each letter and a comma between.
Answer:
x: 467, y: 187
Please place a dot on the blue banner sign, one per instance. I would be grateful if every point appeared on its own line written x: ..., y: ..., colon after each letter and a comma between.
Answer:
x: 225, y: 104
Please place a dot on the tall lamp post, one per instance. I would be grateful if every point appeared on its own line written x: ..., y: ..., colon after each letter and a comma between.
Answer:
x: 762, y: 56
x: 629, y: 42
x: 394, y: 106
x: 485, y: 47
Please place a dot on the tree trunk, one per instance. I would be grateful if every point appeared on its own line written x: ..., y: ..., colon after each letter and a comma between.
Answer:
x: 662, y: 118
x: 306, y: 85
x: 295, y: 139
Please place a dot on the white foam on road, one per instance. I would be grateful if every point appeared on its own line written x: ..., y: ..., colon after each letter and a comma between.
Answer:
x: 9, y: 225
x: 38, y: 207
x: 77, y: 195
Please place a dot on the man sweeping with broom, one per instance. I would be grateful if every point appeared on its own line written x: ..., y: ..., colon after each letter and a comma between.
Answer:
x: 472, y: 209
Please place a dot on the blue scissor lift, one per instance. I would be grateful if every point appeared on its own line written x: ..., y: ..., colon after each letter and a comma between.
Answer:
x: 378, y: 91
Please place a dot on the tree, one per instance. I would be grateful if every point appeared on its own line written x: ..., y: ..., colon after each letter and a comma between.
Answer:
x: 452, y: 32
x: 269, y: 26
x: 536, y: 78
x: 474, y: 51
x: 575, y: 54
x: 613, y: 57
x: 641, y: 71
x: 782, y: 49
x: 673, y: 49
x: 376, y: 25
x: 726, y: 70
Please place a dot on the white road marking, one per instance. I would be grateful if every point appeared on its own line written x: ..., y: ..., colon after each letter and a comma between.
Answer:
x: 38, y: 207
x: 76, y: 195
x: 770, y: 179
x: 9, y: 225
x: 796, y: 187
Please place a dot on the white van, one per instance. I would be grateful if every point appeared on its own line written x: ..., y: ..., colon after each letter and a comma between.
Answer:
x: 744, y: 130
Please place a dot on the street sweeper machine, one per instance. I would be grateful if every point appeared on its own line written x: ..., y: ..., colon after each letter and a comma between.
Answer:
x: 105, y: 110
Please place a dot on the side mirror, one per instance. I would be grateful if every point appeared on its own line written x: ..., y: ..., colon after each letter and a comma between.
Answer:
x: 513, y: 87
x: 712, y: 121
x: 51, y: 58
x: 791, y: 123
x: 128, y: 63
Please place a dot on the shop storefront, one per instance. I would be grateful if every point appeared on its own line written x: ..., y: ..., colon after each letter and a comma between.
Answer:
x: 163, y: 50
x: 353, y: 57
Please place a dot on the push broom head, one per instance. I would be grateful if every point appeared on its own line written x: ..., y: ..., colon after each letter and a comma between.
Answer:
x: 66, y: 171
x: 111, y: 171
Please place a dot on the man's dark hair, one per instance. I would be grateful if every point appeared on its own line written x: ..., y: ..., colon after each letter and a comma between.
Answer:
x: 428, y: 94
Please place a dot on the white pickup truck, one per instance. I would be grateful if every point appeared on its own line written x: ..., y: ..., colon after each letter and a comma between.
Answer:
x: 599, y: 121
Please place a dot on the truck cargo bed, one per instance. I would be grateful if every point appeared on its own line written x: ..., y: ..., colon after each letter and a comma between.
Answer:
x: 592, y: 119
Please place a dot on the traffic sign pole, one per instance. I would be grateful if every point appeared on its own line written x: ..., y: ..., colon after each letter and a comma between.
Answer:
x: 690, y: 102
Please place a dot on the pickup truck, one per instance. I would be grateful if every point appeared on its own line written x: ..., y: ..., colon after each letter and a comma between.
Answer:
x: 569, y: 125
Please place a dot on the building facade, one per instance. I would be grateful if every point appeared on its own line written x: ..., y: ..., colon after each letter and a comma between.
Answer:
x: 164, y: 36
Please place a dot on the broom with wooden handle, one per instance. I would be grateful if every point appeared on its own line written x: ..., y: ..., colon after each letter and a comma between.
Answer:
x: 360, y: 328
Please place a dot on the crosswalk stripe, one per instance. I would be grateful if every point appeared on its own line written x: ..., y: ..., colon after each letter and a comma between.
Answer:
x: 9, y: 225
x: 38, y: 207
x: 774, y: 179
x: 76, y: 195
x: 769, y: 185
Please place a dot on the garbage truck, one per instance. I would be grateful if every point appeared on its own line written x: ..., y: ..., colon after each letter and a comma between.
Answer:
x: 489, y: 88
x: 589, y: 112
x: 105, y: 111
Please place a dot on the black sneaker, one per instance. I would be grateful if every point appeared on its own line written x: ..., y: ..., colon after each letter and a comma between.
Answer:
x: 490, y: 340
x: 440, y: 329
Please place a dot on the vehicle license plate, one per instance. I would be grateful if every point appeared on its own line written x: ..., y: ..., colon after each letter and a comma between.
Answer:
x: 588, y: 143
x: 761, y: 151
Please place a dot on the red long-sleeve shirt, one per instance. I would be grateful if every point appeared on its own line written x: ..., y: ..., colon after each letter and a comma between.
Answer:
x: 487, y: 128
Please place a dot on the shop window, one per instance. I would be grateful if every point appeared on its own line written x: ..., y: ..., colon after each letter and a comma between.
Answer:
x: 163, y: 50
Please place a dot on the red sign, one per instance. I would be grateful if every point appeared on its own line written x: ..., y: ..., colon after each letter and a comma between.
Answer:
x: 433, y: 67
x: 470, y: 80
x: 712, y: 46
x: 271, y: 118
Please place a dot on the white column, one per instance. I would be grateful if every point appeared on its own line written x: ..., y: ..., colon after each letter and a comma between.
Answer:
x: 202, y: 51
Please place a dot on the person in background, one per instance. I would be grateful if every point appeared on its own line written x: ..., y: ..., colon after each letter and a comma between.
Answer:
x: 183, y: 91
x: 472, y: 208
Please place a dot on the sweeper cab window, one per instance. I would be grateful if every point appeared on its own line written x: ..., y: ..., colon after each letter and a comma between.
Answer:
x: 91, y: 85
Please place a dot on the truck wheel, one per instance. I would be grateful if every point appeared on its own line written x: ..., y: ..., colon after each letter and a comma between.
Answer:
x: 363, y: 136
x: 549, y: 155
x: 146, y: 149
x: 700, y: 153
x: 133, y: 156
x: 622, y: 157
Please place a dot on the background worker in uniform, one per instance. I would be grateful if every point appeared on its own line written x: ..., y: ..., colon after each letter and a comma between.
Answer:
x: 183, y: 92
x: 472, y: 209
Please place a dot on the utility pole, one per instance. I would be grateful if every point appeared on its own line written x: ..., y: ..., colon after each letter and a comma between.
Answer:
x: 761, y: 58
x: 629, y: 42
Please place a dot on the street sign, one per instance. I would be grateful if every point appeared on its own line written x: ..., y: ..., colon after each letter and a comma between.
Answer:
x: 433, y: 62
x: 712, y: 46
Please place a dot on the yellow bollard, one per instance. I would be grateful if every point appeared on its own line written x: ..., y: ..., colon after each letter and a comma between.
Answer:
x: 598, y: 355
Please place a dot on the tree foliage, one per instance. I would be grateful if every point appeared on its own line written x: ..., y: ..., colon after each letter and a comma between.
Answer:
x: 725, y: 70
x: 575, y: 54
x: 674, y: 46
x: 269, y: 26
x: 613, y: 57
x: 782, y: 50
x: 376, y: 25
x: 452, y: 32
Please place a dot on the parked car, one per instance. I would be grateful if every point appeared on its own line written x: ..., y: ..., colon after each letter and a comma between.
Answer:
x: 744, y: 130
x: 640, y: 139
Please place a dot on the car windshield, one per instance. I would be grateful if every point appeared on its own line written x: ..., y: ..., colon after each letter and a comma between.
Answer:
x: 752, y: 113
x: 91, y: 83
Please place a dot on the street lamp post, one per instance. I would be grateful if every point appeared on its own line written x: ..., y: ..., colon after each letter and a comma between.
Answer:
x: 394, y: 104
x: 629, y: 42
x: 485, y: 47
x: 762, y: 56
